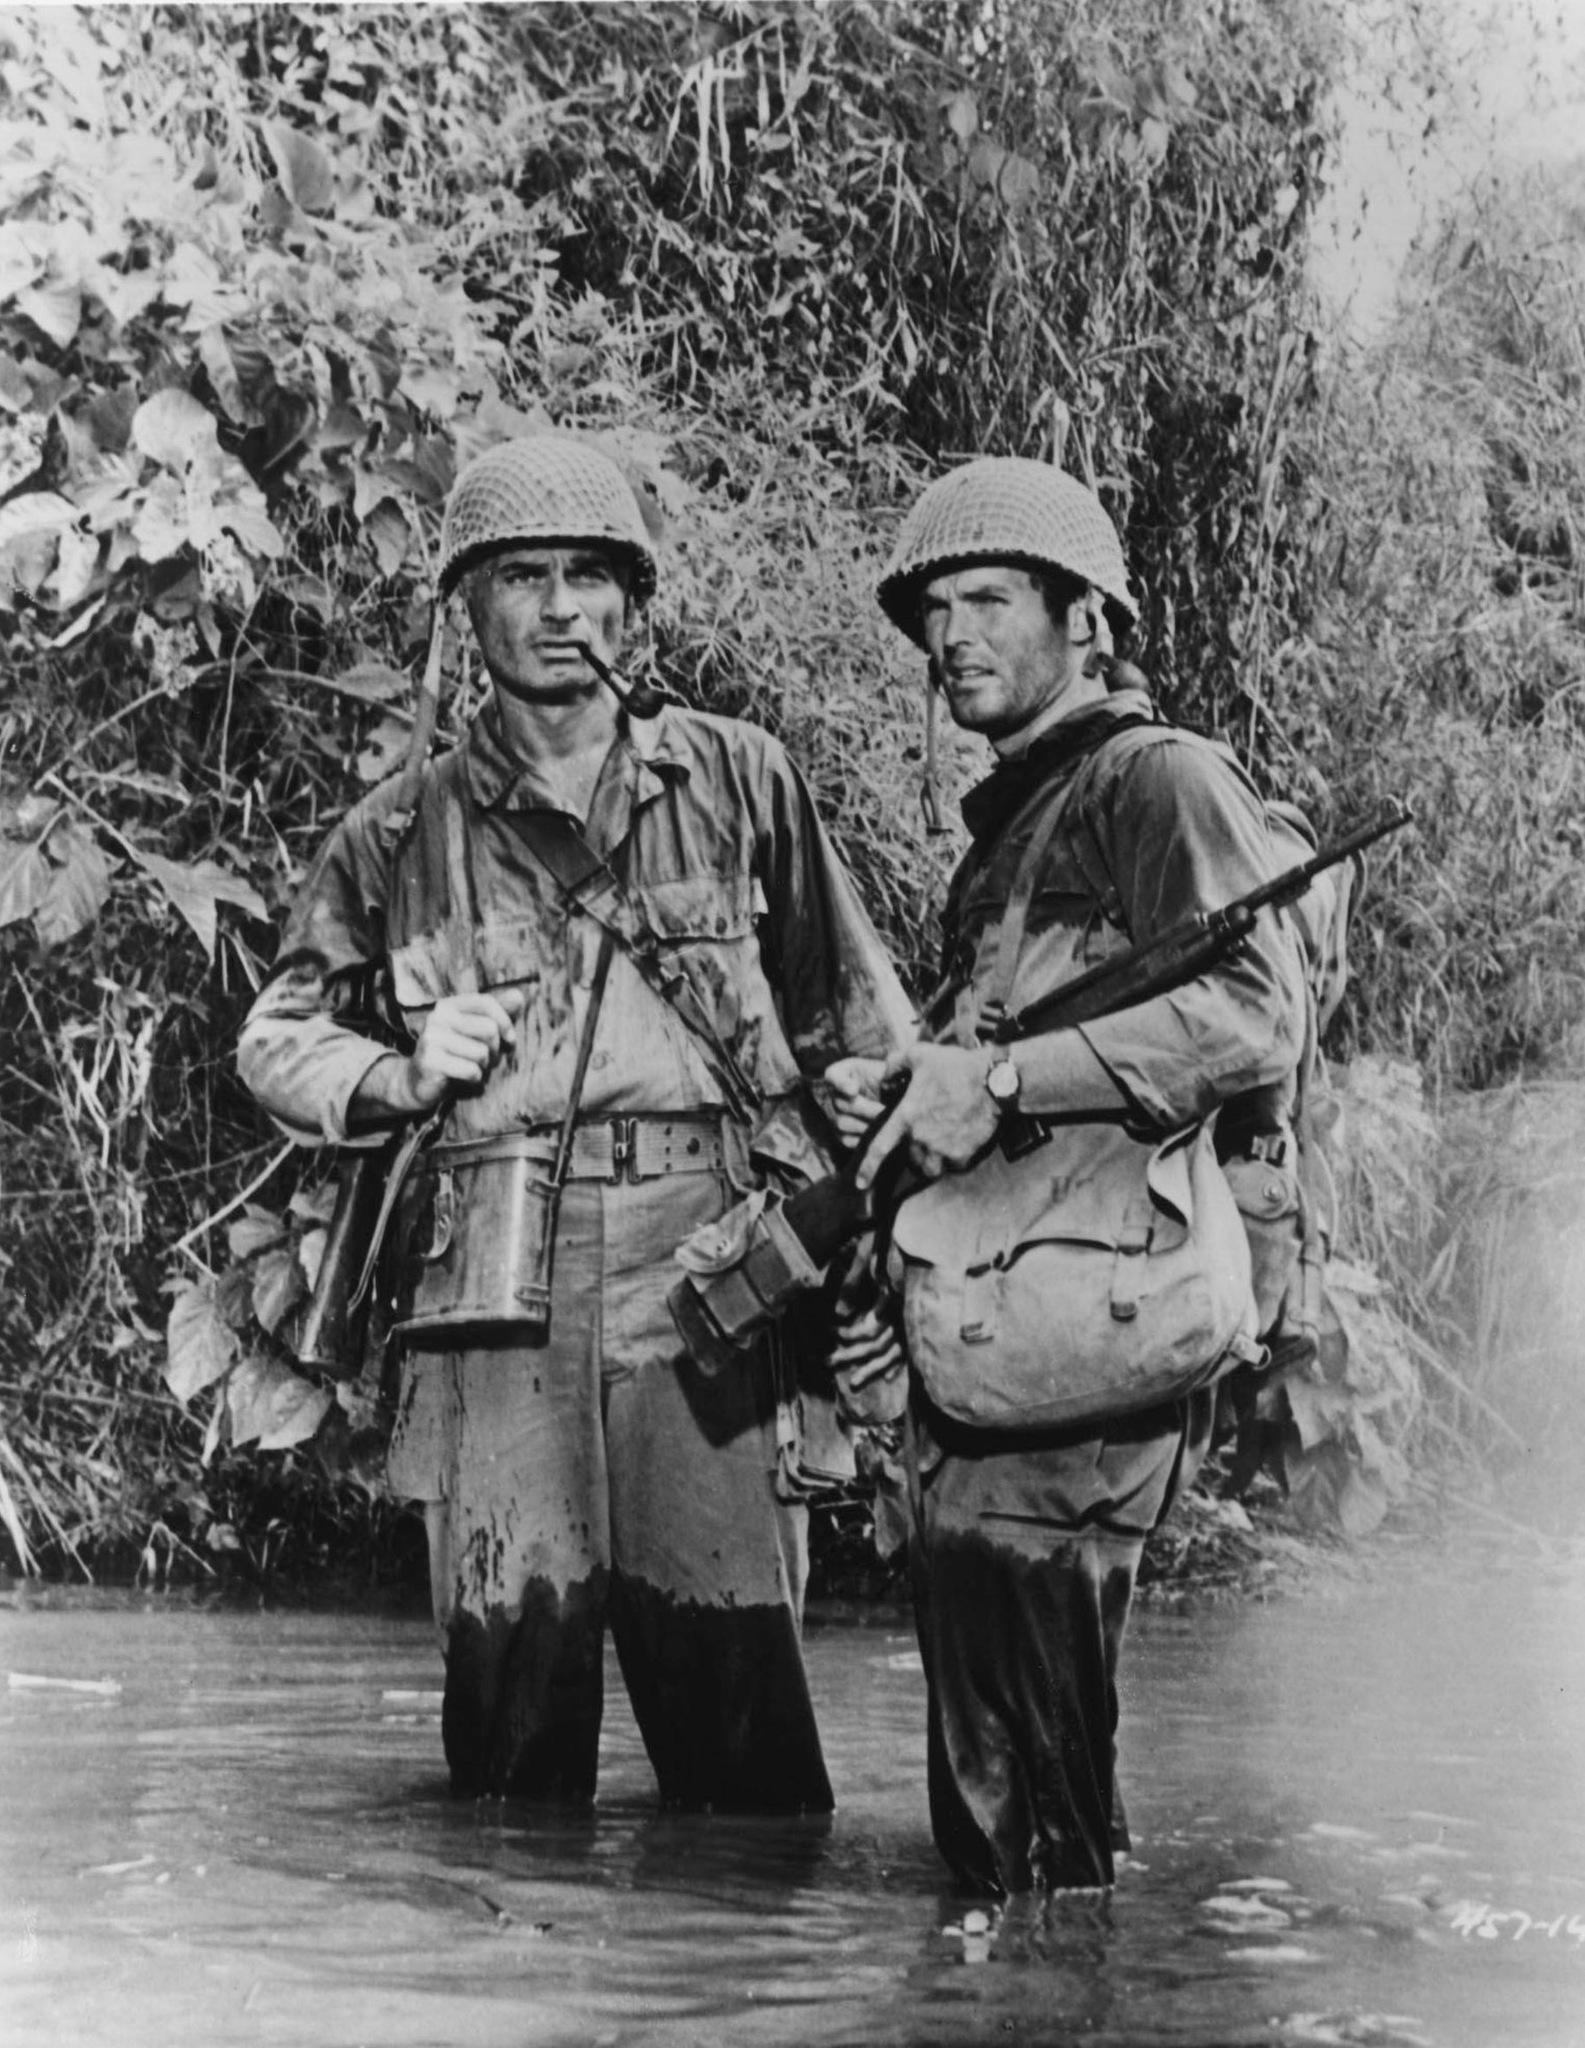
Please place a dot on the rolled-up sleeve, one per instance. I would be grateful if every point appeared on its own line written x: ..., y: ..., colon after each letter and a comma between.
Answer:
x: 836, y: 987
x: 1182, y: 831
x: 305, y: 1044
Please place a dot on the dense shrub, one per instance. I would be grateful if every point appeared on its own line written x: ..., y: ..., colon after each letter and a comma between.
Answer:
x: 270, y: 272
x: 1446, y: 652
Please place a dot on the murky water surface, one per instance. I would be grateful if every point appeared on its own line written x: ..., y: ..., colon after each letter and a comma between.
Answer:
x: 1360, y: 1818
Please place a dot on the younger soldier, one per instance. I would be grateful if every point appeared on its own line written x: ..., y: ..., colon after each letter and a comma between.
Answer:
x: 1025, y: 1543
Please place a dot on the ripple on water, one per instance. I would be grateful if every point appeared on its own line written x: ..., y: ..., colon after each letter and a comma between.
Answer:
x: 1358, y: 1821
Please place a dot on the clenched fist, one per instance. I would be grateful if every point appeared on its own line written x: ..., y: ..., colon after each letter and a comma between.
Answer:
x: 461, y: 1039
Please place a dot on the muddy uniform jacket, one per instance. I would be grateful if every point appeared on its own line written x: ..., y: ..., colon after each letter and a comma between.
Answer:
x: 1166, y: 824
x: 713, y: 834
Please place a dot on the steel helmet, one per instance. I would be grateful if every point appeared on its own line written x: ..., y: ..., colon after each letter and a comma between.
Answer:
x: 1003, y: 508
x: 544, y: 487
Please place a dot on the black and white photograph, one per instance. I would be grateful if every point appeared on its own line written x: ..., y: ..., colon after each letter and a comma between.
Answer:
x: 792, y: 1024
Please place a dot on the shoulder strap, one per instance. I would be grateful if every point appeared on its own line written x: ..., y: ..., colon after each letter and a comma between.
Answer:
x: 591, y: 1019
x: 1086, y: 846
x: 1015, y: 917
x: 1050, y: 801
x: 589, y: 882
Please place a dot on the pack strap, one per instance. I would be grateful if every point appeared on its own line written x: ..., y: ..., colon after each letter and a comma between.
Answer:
x: 1050, y: 802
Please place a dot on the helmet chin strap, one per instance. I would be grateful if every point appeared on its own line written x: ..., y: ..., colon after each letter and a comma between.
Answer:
x: 929, y: 796
x: 1116, y: 673
x: 426, y: 715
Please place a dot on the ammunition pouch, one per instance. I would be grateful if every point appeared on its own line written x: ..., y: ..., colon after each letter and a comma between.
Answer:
x: 740, y: 1273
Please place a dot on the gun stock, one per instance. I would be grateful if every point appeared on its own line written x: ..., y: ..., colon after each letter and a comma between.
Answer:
x: 327, y: 1337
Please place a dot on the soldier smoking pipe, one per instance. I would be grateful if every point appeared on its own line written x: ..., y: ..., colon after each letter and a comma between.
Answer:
x: 638, y: 700
x: 743, y: 1271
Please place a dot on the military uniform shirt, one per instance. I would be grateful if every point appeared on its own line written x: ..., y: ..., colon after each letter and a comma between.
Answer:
x: 1165, y: 825
x: 713, y: 836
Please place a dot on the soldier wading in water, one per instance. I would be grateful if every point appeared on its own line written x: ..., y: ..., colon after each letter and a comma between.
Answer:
x: 1099, y: 826
x: 664, y: 880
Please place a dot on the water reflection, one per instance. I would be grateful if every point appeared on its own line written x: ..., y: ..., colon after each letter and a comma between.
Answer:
x: 1360, y: 1818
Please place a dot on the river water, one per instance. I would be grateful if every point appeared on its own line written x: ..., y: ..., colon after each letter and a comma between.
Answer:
x: 1359, y: 1816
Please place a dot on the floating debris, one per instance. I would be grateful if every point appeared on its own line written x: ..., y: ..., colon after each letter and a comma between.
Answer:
x: 1248, y: 1912
x: 30, y: 1681
x: 1357, y: 2029
x: 974, y: 1932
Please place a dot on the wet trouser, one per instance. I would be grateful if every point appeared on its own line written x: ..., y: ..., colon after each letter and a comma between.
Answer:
x: 1023, y: 1553
x: 604, y: 1480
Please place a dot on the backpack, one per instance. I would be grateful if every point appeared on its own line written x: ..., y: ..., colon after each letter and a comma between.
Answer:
x: 1284, y: 1187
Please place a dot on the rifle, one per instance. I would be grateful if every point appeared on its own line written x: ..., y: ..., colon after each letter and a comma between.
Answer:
x: 329, y: 1338
x: 743, y: 1271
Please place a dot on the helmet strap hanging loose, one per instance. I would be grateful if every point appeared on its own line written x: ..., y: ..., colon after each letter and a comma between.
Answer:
x: 426, y: 716
x: 929, y: 797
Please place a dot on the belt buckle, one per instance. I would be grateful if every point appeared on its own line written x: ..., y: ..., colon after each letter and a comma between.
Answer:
x: 624, y: 1151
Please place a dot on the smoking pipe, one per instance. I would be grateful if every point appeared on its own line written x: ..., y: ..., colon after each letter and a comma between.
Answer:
x: 638, y: 700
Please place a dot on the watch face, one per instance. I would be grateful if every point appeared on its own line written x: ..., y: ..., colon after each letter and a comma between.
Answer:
x: 1002, y: 1081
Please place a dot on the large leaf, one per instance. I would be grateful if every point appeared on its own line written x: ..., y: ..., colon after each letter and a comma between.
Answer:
x: 389, y: 535
x: 15, y: 390
x: 192, y: 279
x: 24, y: 876
x: 222, y: 368
x: 161, y: 526
x: 278, y: 1286
x: 175, y: 430
x: 252, y: 526
x: 195, y: 889
x: 306, y: 171
x: 35, y: 512
x: 75, y: 568
x: 253, y: 1231
x: 77, y: 886
x: 55, y: 307
x: 199, y: 1346
x: 269, y: 1404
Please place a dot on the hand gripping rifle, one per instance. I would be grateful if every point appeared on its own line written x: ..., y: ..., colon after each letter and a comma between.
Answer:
x: 764, y: 1254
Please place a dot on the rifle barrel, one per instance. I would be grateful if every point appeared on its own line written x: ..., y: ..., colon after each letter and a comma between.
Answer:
x: 1188, y: 949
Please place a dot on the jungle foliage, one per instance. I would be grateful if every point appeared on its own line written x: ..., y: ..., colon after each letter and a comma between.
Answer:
x: 271, y: 272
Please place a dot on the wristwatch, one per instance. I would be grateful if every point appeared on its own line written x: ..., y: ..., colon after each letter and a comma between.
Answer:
x: 1002, y: 1083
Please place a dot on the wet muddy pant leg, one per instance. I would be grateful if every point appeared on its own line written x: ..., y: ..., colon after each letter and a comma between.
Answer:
x: 1020, y: 1657
x: 1024, y: 1550
x: 528, y: 1550
x: 707, y: 1591
x: 523, y: 1699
